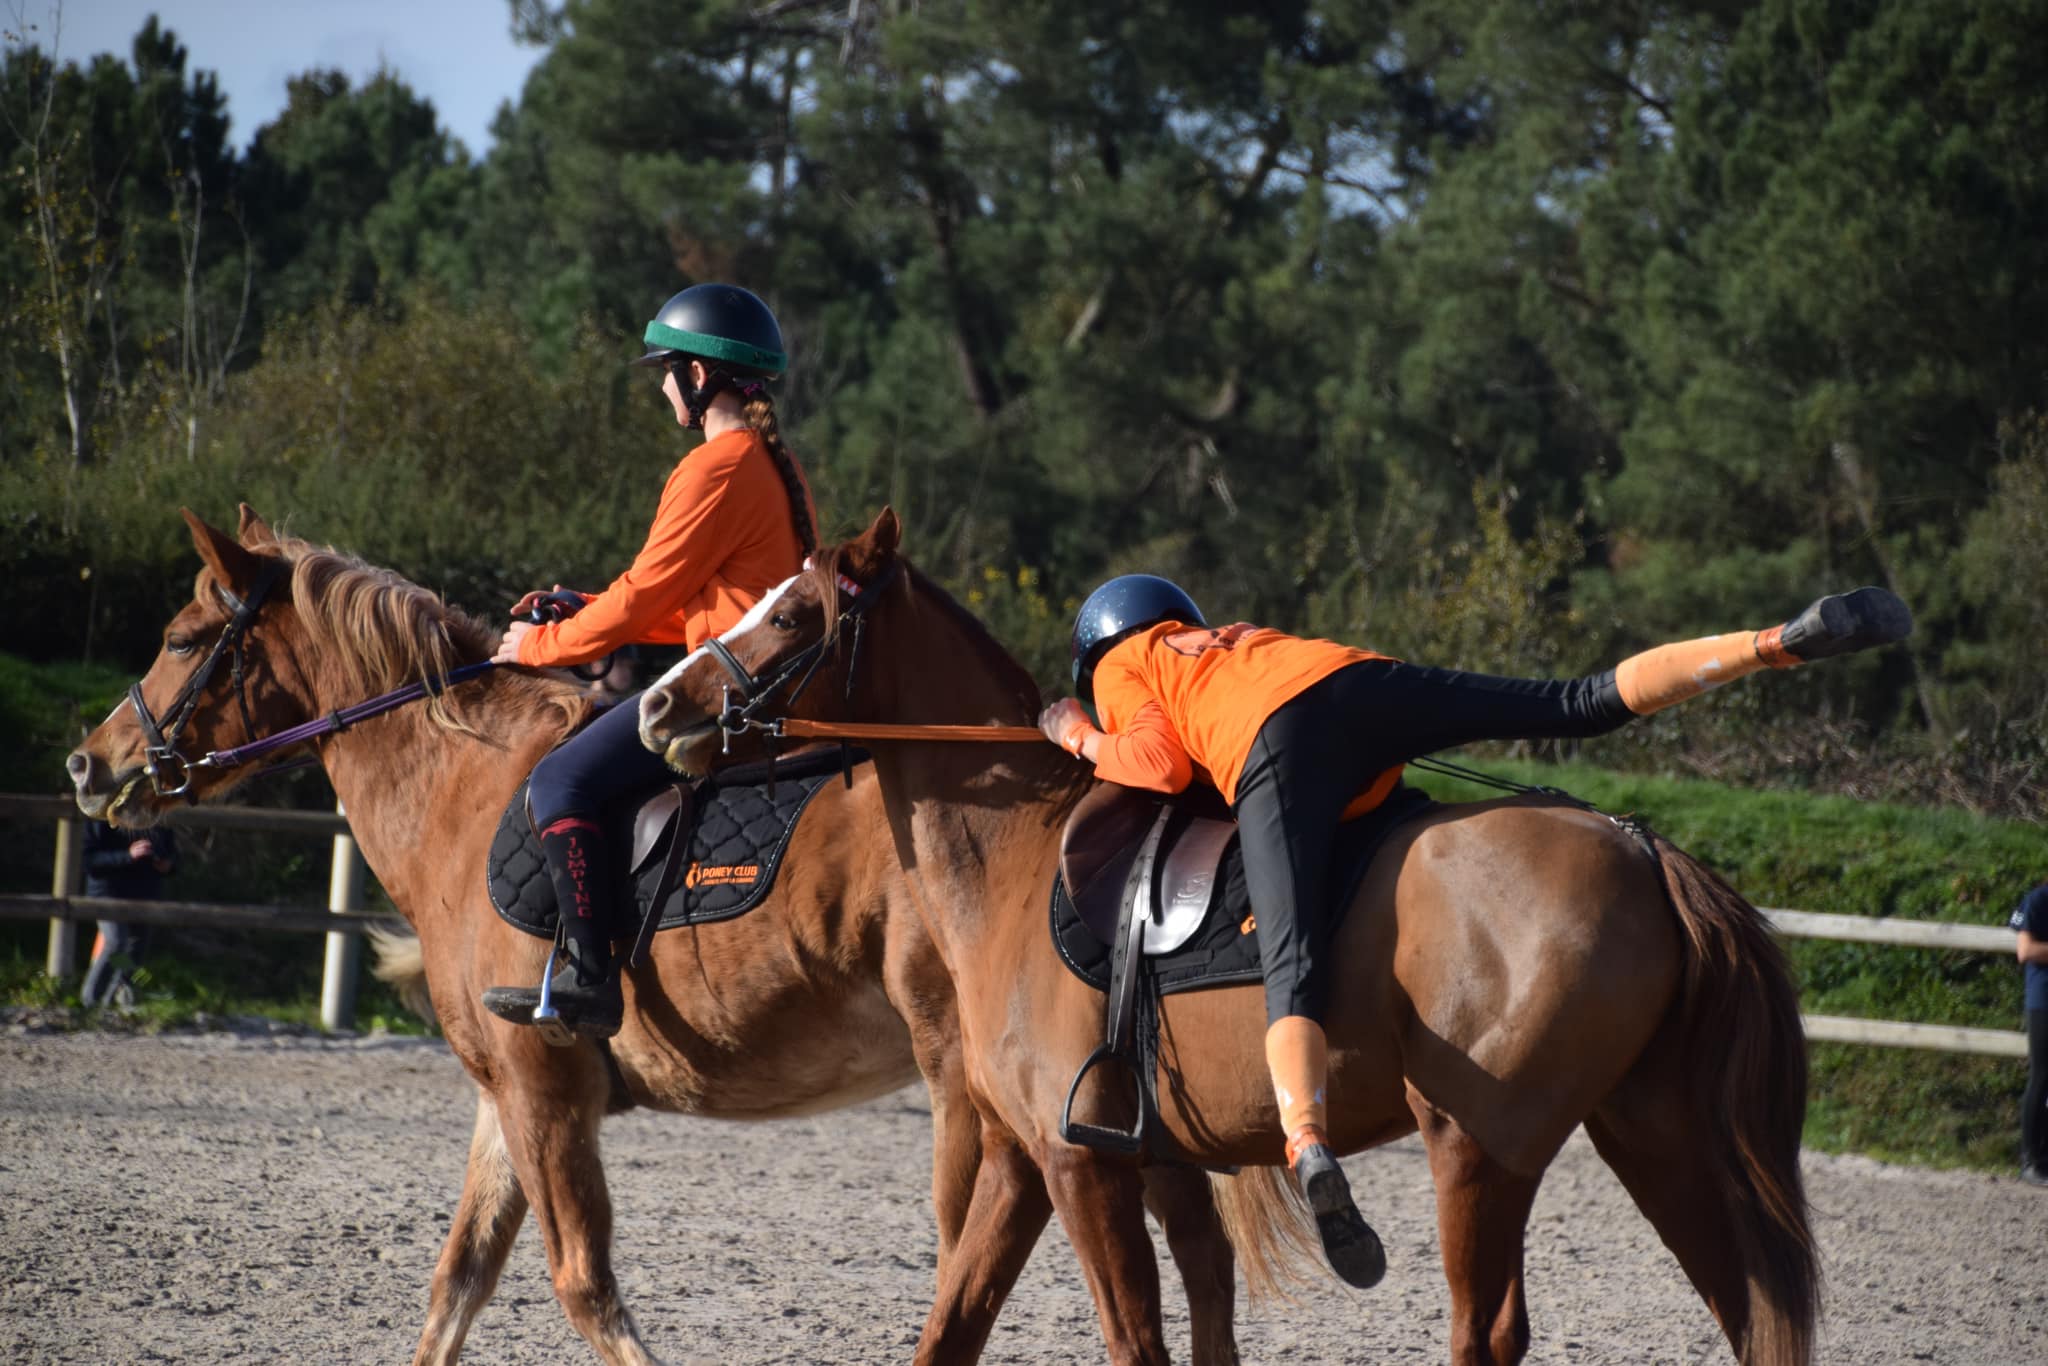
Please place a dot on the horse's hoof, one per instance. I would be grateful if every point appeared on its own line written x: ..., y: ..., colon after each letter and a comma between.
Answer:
x: 1843, y: 623
x: 1353, y: 1249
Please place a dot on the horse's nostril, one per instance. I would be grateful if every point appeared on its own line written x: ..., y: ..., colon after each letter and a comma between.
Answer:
x: 653, y: 706
x: 79, y: 766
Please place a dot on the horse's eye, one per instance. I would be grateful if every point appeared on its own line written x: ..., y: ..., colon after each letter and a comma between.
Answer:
x: 782, y: 621
x: 180, y: 645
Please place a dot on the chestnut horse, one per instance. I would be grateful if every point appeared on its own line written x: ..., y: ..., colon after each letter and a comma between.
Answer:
x: 828, y: 993
x: 1509, y: 970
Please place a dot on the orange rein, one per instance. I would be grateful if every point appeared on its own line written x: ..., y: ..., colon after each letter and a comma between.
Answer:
x: 799, y: 729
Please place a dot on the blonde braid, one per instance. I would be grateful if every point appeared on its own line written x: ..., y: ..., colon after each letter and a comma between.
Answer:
x: 759, y: 415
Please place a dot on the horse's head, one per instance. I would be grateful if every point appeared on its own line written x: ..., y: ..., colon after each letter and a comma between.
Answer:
x: 214, y: 684
x: 781, y: 659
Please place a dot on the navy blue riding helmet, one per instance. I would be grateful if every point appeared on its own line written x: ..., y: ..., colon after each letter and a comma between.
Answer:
x: 726, y: 327
x: 1120, y: 608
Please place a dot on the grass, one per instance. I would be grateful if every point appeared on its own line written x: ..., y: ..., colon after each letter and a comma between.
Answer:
x: 1850, y: 857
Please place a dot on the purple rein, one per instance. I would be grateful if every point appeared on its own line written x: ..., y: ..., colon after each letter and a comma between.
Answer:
x: 340, y: 719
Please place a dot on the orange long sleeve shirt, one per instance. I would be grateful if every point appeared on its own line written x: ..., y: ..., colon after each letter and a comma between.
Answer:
x: 721, y: 538
x: 1176, y: 699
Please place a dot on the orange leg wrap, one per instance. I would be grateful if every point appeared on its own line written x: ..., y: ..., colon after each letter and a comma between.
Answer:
x: 1298, y: 1057
x: 1669, y: 674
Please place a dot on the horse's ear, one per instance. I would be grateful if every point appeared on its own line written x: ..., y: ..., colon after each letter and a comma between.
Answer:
x: 233, y: 566
x: 254, y: 531
x: 873, y: 548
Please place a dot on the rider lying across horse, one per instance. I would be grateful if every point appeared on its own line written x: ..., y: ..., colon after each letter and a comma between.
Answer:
x: 735, y: 520
x: 1301, y: 735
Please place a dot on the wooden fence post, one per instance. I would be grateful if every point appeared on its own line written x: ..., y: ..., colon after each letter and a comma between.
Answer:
x: 344, y: 951
x: 67, y: 879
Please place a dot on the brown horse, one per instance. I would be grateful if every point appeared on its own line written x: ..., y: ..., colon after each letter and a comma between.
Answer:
x: 829, y: 993
x: 1509, y: 970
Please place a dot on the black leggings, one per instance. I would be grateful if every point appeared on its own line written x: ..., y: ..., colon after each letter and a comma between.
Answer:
x: 2033, y: 1120
x: 1324, y: 747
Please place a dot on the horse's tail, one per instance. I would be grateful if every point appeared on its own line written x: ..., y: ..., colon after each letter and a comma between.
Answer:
x: 1267, y: 1221
x: 402, y: 965
x: 1745, y: 1064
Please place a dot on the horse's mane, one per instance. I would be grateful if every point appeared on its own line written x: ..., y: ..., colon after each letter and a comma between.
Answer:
x: 1015, y: 678
x: 385, y: 631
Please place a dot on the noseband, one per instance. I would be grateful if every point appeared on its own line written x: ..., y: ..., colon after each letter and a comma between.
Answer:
x: 170, y: 773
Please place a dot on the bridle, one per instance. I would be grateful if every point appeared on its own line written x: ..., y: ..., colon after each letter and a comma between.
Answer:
x: 757, y: 694
x: 170, y: 773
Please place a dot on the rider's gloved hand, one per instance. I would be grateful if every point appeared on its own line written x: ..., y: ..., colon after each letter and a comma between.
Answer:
x: 1066, y: 724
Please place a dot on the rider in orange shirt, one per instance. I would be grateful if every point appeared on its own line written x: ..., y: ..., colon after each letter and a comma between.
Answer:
x: 735, y: 520
x: 1300, y: 735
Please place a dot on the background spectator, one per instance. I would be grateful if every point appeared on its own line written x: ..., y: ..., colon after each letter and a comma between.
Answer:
x: 2031, y: 920
x: 129, y: 864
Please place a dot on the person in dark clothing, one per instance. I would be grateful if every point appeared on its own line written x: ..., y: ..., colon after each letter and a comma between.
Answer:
x: 2030, y: 918
x: 130, y: 865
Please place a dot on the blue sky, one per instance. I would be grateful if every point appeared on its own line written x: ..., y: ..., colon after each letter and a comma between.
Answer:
x: 457, y: 53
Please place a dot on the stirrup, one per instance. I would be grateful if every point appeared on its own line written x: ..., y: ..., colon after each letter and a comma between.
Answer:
x: 546, y: 1018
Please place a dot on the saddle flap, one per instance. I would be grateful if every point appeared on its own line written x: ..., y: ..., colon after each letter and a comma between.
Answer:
x: 656, y: 823
x: 1098, y: 847
x: 1188, y: 868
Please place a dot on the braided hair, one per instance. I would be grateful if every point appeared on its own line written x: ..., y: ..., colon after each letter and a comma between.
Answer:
x: 759, y: 415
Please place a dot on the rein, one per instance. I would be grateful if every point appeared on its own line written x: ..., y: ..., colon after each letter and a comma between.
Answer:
x: 796, y: 728
x: 341, y: 718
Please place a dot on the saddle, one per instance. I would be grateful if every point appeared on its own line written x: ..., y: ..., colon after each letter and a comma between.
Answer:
x: 1150, y: 899
x: 699, y: 852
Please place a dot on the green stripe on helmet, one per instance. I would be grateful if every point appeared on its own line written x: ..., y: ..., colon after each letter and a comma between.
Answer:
x: 715, y: 348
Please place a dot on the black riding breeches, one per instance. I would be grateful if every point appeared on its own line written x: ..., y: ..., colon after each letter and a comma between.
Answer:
x: 1327, y: 745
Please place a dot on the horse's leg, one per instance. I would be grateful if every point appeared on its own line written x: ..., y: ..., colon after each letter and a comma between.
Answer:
x: 1001, y: 1225
x: 1101, y: 1206
x: 550, y: 1103
x: 1662, y: 1163
x: 1180, y: 1199
x: 956, y: 1129
x: 486, y: 1221
x: 1482, y: 1216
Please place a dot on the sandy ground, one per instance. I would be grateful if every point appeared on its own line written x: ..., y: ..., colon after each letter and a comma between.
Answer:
x: 240, y: 1198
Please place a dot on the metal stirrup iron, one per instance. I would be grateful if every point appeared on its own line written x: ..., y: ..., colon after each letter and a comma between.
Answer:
x: 546, y: 1018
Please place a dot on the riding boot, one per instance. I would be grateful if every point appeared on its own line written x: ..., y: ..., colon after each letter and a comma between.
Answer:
x: 1835, y: 625
x: 583, y: 991
x: 1298, y: 1057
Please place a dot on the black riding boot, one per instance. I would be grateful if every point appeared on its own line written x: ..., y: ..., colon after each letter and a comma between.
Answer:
x: 584, y: 992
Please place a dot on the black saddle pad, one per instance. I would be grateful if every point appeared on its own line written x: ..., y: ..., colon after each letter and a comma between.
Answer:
x: 742, y: 824
x: 1226, y: 949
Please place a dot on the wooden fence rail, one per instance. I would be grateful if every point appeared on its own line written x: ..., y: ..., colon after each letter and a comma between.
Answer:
x: 344, y: 922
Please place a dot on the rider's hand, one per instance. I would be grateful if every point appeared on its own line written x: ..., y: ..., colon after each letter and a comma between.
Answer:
x: 538, y: 596
x: 508, y: 648
x: 140, y: 851
x: 1066, y: 725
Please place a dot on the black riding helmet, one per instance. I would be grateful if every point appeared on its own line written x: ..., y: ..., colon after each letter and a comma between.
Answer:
x: 1121, y: 608
x: 726, y: 327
